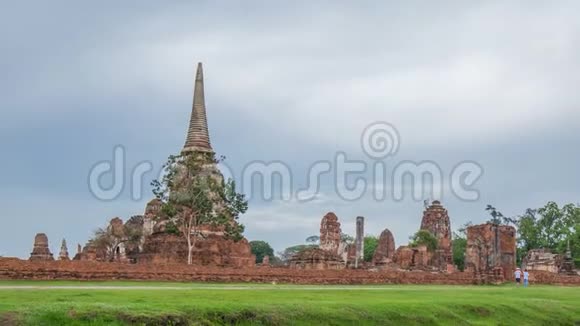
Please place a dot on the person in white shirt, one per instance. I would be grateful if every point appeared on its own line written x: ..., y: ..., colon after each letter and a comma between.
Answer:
x: 518, y: 275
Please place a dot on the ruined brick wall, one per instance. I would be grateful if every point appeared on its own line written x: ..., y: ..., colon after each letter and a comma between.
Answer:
x: 491, y: 248
x: 164, y: 248
x: 89, y: 270
x: 413, y: 258
x: 543, y: 277
x: 79, y: 270
x: 316, y: 258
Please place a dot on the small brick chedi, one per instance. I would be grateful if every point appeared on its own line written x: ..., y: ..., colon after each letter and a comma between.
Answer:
x: 436, y: 220
x: 330, y: 233
x: 160, y: 246
x: 63, y: 255
x: 491, y: 251
x: 326, y: 256
x: 40, y: 251
x: 385, y: 249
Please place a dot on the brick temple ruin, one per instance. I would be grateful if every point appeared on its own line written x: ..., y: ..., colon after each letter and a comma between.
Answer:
x: 40, y: 250
x: 146, y: 247
x: 491, y: 251
x: 546, y: 260
x: 385, y: 250
x: 329, y: 254
x: 157, y: 244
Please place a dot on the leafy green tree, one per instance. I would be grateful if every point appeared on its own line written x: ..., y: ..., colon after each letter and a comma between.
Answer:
x: 193, y: 198
x: 370, y: 245
x: 261, y: 249
x: 459, y: 244
x: 548, y: 227
x: 498, y: 218
x: 424, y: 237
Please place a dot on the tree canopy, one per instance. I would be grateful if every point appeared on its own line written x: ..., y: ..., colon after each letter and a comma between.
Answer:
x: 426, y: 238
x: 261, y: 249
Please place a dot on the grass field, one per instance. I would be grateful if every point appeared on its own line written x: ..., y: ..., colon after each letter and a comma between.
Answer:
x: 120, y: 303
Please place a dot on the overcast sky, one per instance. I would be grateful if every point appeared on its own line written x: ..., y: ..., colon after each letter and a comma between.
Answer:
x: 295, y: 82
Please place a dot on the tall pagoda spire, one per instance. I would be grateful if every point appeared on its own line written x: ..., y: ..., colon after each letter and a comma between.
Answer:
x: 197, y: 134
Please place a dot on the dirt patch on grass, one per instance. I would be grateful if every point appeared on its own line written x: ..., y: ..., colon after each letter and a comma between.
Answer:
x: 161, y: 320
x: 479, y: 311
x: 9, y: 319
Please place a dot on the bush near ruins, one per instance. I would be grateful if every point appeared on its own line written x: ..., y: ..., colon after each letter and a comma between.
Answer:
x: 459, y: 244
x: 370, y: 245
x: 261, y: 249
x: 424, y: 237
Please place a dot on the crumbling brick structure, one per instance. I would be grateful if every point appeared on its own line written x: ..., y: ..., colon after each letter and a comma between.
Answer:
x: 330, y: 233
x: 542, y: 260
x: 213, y: 250
x: 491, y: 251
x: 436, y: 221
x: 327, y: 255
x: 63, y: 254
x: 413, y: 258
x: 40, y: 251
x: 316, y: 258
x: 385, y: 249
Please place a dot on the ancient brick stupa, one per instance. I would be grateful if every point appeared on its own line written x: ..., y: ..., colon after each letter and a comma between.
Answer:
x: 385, y: 249
x: 436, y: 220
x: 326, y: 256
x: 40, y: 250
x: 212, y: 248
x: 330, y: 233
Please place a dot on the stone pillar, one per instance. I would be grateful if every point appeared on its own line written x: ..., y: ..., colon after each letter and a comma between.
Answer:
x: 359, y: 242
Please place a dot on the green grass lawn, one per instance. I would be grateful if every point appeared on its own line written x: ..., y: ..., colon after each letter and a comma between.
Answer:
x: 265, y: 304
